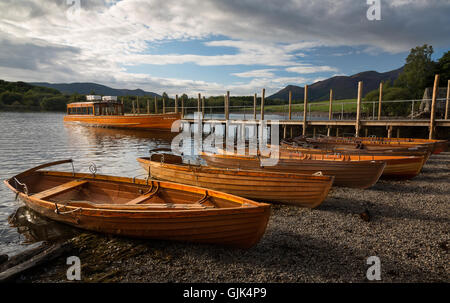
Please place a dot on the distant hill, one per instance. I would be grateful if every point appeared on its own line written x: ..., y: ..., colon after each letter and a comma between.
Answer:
x: 87, y: 88
x: 344, y: 87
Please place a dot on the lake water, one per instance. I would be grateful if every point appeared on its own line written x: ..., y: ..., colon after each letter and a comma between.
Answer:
x: 30, y: 139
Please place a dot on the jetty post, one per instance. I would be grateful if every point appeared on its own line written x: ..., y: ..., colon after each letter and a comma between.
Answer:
x: 137, y: 105
x: 182, y: 106
x: 305, y: 108
x: 262, y: 103
x: 447, y: 101
x: 164, y: 104
x: 358, y: 109
x: 198, y: 102
x: 227, y: 106
x: 254, y: 107
x: 176, y: 104
x: 290, y: 105
x: 380, y: 99
x: 330, y: 112
x: 156, y: 105
x: 433, y: 106
x: 203, y: 107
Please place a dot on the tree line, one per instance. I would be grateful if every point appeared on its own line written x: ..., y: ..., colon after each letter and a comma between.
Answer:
x: 417, y: 75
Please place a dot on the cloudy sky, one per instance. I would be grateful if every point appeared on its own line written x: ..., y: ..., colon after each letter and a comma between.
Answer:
x: 208, y: 47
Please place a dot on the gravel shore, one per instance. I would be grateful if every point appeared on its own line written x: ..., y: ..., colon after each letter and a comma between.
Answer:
x: 404, y: 223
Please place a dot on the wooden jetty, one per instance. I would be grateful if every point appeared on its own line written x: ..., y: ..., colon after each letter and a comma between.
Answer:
x: 358, y: 123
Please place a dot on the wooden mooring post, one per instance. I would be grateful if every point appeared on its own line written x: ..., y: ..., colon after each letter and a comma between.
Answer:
x: 156, y: 105
x: 290, y: 105
x: 330, y: 112
x: 227, y: 106
x: 447, y: 101
x: 148, y: 106
x: 305, y: 108
x: 433, y: 106
x: 137, y: 105
x: 164, y: 105
x: 203, y: 107
x: 254, y: 106
x: 380, y: 98
x: 182, y: 106
x: 198, y: 102
x: 358, y: 109
x: 262, y: 103
x: 176, y: 104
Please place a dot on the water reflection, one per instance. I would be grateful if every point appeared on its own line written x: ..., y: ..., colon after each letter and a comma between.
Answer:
x: 35, y: 228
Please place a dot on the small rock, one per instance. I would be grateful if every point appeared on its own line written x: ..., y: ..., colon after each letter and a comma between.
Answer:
x: 365, y: 215
x: 3, y: 258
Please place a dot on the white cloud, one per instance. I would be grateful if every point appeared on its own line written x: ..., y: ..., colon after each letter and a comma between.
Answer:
x: 257, y: 73
x: 310, y: 69
x: 41, y: 39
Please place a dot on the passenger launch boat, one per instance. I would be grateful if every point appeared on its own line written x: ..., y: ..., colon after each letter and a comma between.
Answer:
x: 141, y: 208
x: 104, y: 113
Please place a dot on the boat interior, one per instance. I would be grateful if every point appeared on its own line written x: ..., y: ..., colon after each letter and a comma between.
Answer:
x: 87, y: 191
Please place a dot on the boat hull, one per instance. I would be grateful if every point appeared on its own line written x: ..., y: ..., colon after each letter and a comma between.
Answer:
x: 287, y: 188
x: 356, y: 174
x: 238, y: 226
x: 397, y: 167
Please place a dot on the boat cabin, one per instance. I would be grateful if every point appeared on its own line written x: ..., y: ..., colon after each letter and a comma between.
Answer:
x: 106, y: 106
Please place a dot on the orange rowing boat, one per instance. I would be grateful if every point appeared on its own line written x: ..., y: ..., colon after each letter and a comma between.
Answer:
x: 358, y: 174
x: 398, y: 167
x: 310, y: 149
x: 141, y: 208
x: 375, y: 143
x: 289, y: 188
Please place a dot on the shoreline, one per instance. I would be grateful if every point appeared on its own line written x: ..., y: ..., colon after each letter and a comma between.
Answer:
x: 404, y: 223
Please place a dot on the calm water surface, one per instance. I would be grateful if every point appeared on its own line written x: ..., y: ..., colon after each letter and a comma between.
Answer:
x: 30, y: 139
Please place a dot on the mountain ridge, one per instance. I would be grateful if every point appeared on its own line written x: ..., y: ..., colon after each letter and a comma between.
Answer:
x: 85, y: 88
x: 344, y: 87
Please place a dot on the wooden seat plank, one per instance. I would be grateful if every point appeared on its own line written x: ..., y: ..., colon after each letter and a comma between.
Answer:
x: 59, y: 189
x: 140, y: 199
x: 87, y: 204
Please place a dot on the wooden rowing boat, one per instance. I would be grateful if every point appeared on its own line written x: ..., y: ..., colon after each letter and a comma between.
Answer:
x: 310, y: 149
x: 397, y: 167
x: 289, y: 188
x: 375, y: 143
x: 352, y: 144
x: 357, y: 174
x: 142, y: 208
x: 438, y: 145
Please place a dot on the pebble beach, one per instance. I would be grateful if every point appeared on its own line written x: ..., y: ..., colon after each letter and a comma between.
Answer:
x: 405, y: 224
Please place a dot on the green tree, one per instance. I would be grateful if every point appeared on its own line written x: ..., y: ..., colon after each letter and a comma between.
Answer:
x: 390, y: 93
x: 54, y: 103
x: 443, y: 68
x: 418, y: 72
x: 8, y: 98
